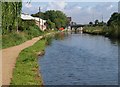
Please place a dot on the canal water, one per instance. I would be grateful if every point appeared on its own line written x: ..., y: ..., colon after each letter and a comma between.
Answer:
x: 80, y: 59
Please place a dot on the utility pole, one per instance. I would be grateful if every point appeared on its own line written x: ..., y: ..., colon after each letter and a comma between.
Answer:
x: 102, y: 18
x: 93, y: 17
x: 39, y: 16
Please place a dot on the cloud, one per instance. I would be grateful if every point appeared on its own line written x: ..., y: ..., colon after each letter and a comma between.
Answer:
x: 80, y: 12
x: 85, y: 14
x: 58, y: 5
x: 110, y: 7
x: 28, y: 5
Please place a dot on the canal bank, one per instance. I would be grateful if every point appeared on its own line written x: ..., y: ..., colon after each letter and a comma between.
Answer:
x: 80, y: 59
x: 102, y: 30
x: 26, y: 69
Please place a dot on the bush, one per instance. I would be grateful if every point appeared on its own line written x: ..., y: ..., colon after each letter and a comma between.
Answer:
x: 27, y: 30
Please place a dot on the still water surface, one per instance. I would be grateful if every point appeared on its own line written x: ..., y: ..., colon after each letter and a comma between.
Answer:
x: 80, y: 59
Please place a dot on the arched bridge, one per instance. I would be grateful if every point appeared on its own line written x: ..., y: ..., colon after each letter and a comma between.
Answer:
x: 78, y: 26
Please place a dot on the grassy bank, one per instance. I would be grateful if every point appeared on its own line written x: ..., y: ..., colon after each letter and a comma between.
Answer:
x: 26, y: 69
x: 97, y: 30
x: 109, y: 29
x: 13, y: 39
x: 27, y: 31
x: 103, y: 30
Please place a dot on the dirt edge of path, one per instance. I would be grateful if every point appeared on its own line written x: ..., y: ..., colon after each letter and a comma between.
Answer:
x: 8, y: 59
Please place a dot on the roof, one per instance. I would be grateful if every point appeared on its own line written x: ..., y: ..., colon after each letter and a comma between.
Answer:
x: 37, y: 19
x: 29, y: 17
x: 26, y: 17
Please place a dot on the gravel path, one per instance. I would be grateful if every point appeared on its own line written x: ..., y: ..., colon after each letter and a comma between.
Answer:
x: 9, y: 56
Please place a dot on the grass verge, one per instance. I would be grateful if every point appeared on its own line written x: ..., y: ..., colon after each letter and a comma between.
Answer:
x: 26, y: 69
x: 13, y: 39
x: 97, y: 30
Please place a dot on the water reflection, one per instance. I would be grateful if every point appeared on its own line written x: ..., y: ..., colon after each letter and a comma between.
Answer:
x: 59, y: 36
x: 115, y: 41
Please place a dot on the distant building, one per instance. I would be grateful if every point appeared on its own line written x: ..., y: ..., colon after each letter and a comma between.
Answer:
x: 69, y: 20
x: 40, y: 22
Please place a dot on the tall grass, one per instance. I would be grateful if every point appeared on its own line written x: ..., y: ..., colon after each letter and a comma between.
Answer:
x: 27, y: 31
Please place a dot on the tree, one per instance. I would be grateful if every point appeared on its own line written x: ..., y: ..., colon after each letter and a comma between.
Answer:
x: 39, y: 14
x: 114, y: 18
x: 50, y: 25
x: 101, y: 23
x: 10, y: 16
x: 55, y: 18
x: 91, y: 23
x: 114, y: 24
x: 96, y: 22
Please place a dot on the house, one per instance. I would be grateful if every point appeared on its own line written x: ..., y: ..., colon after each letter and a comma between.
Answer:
x: 40, y: 22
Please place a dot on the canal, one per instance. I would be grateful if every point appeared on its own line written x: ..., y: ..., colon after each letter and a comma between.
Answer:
x: 80, y: 59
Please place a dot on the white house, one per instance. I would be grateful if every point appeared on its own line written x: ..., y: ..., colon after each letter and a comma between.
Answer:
x: 40, y: 22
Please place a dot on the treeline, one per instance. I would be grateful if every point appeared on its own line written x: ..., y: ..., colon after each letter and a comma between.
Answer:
x: 10, y: 16
x: 110, y: 29
x: 97, y: 23
x: 55, y: 19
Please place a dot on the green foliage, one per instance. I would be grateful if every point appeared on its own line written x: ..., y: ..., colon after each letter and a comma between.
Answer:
x: 27, y: 31
x: 111, y: 30
x: 10, y: 16
x: 55, y: 19
x: 26, y: 69
x: 39, y: 14
x: 91, y: 23
x: 31, y: 28
x: 101, y: 30
x: 58, y: 22
x: 13, y: 39
x: 114, y: 24
x: 34, y: 31
x: 96, y: 22
x: 48, y: 40
x: 113, y: 18
x: 50, y: 25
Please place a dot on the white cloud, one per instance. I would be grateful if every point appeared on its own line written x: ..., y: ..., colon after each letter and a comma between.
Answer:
x: 78, y: 7
x: 58, y: 5
x: 110, y: 7
x: 28, y: 5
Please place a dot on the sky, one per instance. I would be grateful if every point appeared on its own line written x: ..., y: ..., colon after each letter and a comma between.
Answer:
x: 81, y: 12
